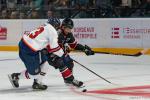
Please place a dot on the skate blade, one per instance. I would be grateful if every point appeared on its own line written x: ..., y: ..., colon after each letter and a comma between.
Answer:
x: 67, y: 84
x: 79, y: 89
x: 11, y: 81
x: 39, y: 89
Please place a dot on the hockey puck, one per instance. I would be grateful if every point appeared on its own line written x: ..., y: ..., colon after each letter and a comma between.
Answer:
x: 84, y: 90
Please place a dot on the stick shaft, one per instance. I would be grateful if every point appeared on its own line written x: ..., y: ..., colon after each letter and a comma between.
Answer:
x: 92, y: 71
x: 115, y: 53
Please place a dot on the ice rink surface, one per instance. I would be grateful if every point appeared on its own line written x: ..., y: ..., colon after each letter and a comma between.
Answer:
x: 130, y: 77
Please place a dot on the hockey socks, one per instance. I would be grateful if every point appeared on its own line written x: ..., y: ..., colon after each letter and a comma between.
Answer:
x: 66, y: 74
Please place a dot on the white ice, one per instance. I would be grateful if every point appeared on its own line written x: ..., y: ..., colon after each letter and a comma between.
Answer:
x: 121, y: 71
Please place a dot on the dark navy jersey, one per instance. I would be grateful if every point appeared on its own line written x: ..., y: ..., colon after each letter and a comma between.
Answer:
x: 70, y: 40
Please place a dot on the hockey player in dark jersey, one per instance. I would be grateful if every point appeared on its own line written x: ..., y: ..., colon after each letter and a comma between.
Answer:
x: 67, y: 41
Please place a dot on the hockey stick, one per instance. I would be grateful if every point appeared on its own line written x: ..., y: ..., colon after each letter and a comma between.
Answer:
x: 115, y: 53
x: 144, y: 51
x: 91, y: 71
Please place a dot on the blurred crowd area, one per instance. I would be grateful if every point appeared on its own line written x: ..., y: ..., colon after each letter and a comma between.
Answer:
x: 41, y: 9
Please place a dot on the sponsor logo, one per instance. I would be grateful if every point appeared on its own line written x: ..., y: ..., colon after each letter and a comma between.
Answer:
x: 129, y: 33
x: 3, y: 33
x: 115, y: 32
x: 84, y: 33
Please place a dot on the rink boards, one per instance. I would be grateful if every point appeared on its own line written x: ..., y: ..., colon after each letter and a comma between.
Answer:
x: 121, y: 35
x: 112, y: 50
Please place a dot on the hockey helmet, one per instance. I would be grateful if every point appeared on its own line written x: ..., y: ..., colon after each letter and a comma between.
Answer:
x: 67, y: 22
x: 55, y: 22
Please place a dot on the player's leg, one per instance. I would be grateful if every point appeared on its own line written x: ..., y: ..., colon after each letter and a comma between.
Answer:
x: 67, y: 75
x: 32, y: 62
x: 38, y: 81
x: 14, y: 77
x: 33, y: 71
x: 68, y: 62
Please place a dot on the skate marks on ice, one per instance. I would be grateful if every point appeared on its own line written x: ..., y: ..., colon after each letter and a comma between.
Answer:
x: 25, y: 89
x: 28, y: 89
x: 96, y: 89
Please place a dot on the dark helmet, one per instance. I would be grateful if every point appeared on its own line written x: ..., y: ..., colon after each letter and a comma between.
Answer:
x: 55, y: 22
x: 67, y: 22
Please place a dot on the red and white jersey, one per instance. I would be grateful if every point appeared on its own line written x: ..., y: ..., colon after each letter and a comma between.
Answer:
x: 43, y: 37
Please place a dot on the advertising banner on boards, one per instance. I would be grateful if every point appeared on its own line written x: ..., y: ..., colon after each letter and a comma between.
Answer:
x: 10, y: 32
x: 97, y: 33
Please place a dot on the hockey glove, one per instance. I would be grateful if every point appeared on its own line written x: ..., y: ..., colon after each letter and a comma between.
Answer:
x: 51, y: 58
x: 88, y: 51
x: 44, y: 51
x: 55, y: 60
x: 66, y: 49
x: 137, y: 54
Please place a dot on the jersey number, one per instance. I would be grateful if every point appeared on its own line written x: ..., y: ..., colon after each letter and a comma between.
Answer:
x: 36, y: 33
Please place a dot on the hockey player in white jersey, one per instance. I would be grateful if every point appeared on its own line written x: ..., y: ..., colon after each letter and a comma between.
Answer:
x: 31, y: 53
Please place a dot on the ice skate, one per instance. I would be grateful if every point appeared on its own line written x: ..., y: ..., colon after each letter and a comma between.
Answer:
x: 38, y: 86
x: 75, y: 83
x: 13, y: 78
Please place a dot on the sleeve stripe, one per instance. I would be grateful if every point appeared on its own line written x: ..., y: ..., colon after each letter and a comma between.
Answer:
x: 73, y: 45
x: 73, y: 42
x: 53, y: 49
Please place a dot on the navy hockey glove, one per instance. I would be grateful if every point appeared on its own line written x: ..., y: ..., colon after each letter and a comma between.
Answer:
x: 55, y: 61
x: 88, y: 51
x: 52, y: 59
x: 44, y: 51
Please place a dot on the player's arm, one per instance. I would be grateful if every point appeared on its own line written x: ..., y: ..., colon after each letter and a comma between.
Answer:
x: 53, y: 52
x: 53, y: 46
x: 77, y: 46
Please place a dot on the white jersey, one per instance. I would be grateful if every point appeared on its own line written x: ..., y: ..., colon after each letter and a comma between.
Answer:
x: 42, y: 37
